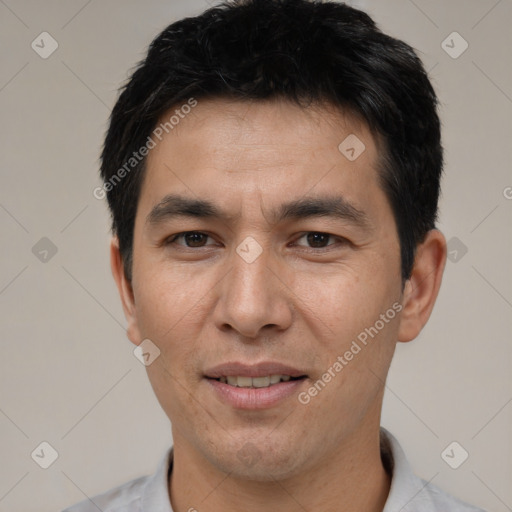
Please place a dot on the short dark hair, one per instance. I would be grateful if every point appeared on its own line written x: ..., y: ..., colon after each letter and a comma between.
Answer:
x: 303, y: 51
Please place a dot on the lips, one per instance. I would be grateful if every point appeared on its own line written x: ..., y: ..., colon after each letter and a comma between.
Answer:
x: 254, y: 371
x: 256, y: 386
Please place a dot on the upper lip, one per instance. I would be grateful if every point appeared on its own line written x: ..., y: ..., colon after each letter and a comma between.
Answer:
x: 236, y: 369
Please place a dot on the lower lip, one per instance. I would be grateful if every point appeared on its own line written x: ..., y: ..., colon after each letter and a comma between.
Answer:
x: 255, y: 398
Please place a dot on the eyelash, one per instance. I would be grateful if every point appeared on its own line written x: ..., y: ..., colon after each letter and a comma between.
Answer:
x: 173, y: 239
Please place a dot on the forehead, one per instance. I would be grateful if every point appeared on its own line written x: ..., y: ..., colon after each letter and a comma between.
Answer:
x: 262, y: 151
x: 265, y: 125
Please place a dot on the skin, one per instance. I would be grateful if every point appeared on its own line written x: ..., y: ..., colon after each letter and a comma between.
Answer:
x: 297, y: 303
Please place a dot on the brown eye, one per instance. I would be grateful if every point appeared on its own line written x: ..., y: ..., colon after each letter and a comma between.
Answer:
x: 190, y: 239
x: 316, y: 240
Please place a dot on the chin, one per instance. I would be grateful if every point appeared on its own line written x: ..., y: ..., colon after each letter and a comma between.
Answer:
x: 260, y: 462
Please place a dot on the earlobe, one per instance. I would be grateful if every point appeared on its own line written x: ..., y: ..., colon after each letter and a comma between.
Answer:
x: 421, y: 289
x: 125, y: 289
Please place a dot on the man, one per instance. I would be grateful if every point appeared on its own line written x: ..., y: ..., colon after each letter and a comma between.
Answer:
x: 273, y: 169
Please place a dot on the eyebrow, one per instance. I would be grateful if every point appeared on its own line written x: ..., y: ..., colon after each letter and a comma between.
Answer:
x: 337, y: 207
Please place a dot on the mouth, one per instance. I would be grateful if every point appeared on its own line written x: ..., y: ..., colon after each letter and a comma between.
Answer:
x: 257, y: 386
x: 241, y: 381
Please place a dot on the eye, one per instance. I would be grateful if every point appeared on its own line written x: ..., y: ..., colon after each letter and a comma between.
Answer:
x: 318, y: 240
x: 190, y: 239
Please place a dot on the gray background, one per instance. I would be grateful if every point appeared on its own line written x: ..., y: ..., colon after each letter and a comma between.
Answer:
x: 68, y: 375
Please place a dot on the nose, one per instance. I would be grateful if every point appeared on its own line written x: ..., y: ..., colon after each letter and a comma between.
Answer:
x: 253, y: 297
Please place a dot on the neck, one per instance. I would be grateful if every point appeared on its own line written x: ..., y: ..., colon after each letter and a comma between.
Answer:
x: 351, y: 479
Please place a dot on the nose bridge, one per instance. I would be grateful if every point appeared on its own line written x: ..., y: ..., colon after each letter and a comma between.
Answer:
x: 250, y: 277
x: 250, y: 297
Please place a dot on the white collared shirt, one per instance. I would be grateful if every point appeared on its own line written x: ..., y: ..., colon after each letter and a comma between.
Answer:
x: 408, y: 493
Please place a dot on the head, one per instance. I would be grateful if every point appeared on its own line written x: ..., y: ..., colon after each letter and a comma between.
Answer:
x: 272, y: 168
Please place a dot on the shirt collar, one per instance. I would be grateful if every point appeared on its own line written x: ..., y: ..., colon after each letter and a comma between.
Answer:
x: 407, y: 492
x: 156, y: 497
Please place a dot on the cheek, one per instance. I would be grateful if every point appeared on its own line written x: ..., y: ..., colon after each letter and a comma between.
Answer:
x: 351, y: 378
x: 172, y: 308
x: 351, y: 316
x: 344, y: 299
x: 173, y: 391
x: 167, y: 298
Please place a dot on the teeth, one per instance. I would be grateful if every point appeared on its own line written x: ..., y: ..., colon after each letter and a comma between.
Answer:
x: 261, y: 382
x: 244, y: 382
x: 254, y: 382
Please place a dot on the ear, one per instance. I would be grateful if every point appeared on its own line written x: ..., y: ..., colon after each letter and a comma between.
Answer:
x: 125, y: 291
x: 421, y: 289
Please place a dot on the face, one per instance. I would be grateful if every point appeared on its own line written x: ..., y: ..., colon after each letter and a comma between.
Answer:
x: 261, y: 255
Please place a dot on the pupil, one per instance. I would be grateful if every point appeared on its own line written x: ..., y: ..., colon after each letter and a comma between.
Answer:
x: 194, y: 239
x: 317, y: 239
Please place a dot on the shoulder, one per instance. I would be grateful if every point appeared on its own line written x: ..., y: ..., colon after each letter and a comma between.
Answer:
x: 146, y: 493
x: 410, y: 493
x: 123, y: 498
x: 440, y: 500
